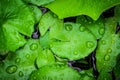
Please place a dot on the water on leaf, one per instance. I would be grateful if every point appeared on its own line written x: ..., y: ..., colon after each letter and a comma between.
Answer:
x: 27, y: 56
x: 109, y: 50
x: 103, y: 42
x: 17, y: 60
x: 21, y: 73
x: 82, y: 28
x: 90, y: 44
x: 33, y: 46
x: 107, y: 57
x: 68, y: 27
x: 11, y: 69
x: 101, y: 31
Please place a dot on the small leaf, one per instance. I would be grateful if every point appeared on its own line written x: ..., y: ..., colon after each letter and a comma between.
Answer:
x: 45, y: 58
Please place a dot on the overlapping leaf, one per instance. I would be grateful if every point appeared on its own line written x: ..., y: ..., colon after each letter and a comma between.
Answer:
x: 80, y: 42
x: 91, y: 8
x: 19, y: 65
x: 108, y: 47
x: 96, y: 27
x: 15, y: 19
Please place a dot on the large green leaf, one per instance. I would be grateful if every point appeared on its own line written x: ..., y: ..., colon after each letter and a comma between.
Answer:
x: 55, y: 72
x: 92, y: 8
x: 108, y: 47
x: 15, y: 19
x: 80, y: 42
x: 19, y: 65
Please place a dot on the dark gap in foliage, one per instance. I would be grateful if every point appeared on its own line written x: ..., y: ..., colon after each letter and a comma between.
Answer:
x: 82, y: 64
x: 113, y: 75
x: 70, y: 19
x: 26, y: 37
x: 36, y: 33
x: 117, y: 28
x: 95, y: 71
x: 35, y: 64
x: 2, y: 57
x: 43, y: 9
x: 108, y: 13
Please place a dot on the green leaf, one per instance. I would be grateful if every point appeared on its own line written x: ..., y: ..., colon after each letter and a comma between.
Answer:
x: 96, y: 27
x: 108, y: 47
x: 104, y: 76
x: 45, y: 58
x: 15, y: 19
x: 68, y: 8
x: 37, y: 13
x: 39, y: 2
x: 50, y: 21
x: 19, y: 65
x: 87, y: 74
x: 55, y: 72
x: 80, y: 42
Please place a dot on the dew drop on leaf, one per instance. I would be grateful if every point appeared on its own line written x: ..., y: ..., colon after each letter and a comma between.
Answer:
x: 34, y: 78
x: 101, y: 31
x: 90, y: 44
x: 27, y: 56
x: 75, y: 52
x: 103, y: 42
x: 17, y: 60
x: 11, y: 69
x: 109, y: 50
x: 107, y: 57
x: 21, y: 73
x: 68, y: 27
x: 33, y: 46
x: 82, y: 28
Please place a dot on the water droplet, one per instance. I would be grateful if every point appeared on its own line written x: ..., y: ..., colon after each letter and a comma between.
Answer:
x: 107, y: 57
x: 11, y: 69
x: 34, y: 78
x: 90, y: 22
x: 109, y: 50
x: 41, y: 23
x: 113, y: 41
x: 75, y: 52
x: 33, y: 46
x: 21, y: 74
x: 101, y: 31
x: 68, y: 27
x: 38, y: 73
x: 82, y: 28
x: 27, y: 56
x: 17, y: 60
x: 90, y: 44
x: 103, y: 42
